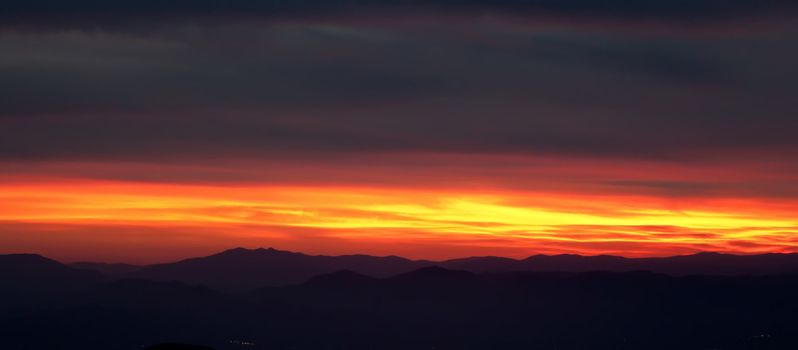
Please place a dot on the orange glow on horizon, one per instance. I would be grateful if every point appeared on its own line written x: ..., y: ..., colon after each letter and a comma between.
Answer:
x: 377, y: 218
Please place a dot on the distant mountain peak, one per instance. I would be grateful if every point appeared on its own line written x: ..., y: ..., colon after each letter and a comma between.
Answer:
x: 25, y: 257
x: 35, y: 274
x: 30, y: 260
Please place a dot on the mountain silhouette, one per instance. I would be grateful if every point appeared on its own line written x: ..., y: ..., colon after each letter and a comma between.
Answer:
x: 32, y: 267
x: 247, y: 269
x: 705, y: 263
x: 481, y: 264
x: 439, y: 308
x: 105, y: 268
x: 423, y: 308
x: 343, y: 278
x: 434, y: 275
x: 35, y: 274
x: 696, y: 264
x: 28, y: 280
x: 142, y: 294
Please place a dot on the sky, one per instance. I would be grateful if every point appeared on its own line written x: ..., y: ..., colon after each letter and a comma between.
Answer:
x: 148, y: 131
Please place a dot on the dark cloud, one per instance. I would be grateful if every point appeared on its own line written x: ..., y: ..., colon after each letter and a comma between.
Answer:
x: 304, y: 88
x: 656, y: 9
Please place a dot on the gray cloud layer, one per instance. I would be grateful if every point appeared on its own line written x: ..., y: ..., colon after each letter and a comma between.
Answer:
x: 667, y: 9
x: 251, y: 89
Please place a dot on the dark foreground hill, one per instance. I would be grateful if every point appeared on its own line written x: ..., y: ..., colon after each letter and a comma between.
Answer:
x: 172, y: 346
x: 427, y: 308
x: 244, y: 269
x: 29, y: 280
x: 32, y: 273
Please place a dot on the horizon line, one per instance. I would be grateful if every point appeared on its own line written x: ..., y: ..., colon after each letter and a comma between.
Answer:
x: 261, y: 248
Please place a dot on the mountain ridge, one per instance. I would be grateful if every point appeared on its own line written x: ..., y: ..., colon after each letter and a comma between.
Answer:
x: 427, y: 307
x: 241, y: 269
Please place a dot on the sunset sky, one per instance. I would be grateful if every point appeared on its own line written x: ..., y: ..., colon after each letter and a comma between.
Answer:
x: 426, y: 129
